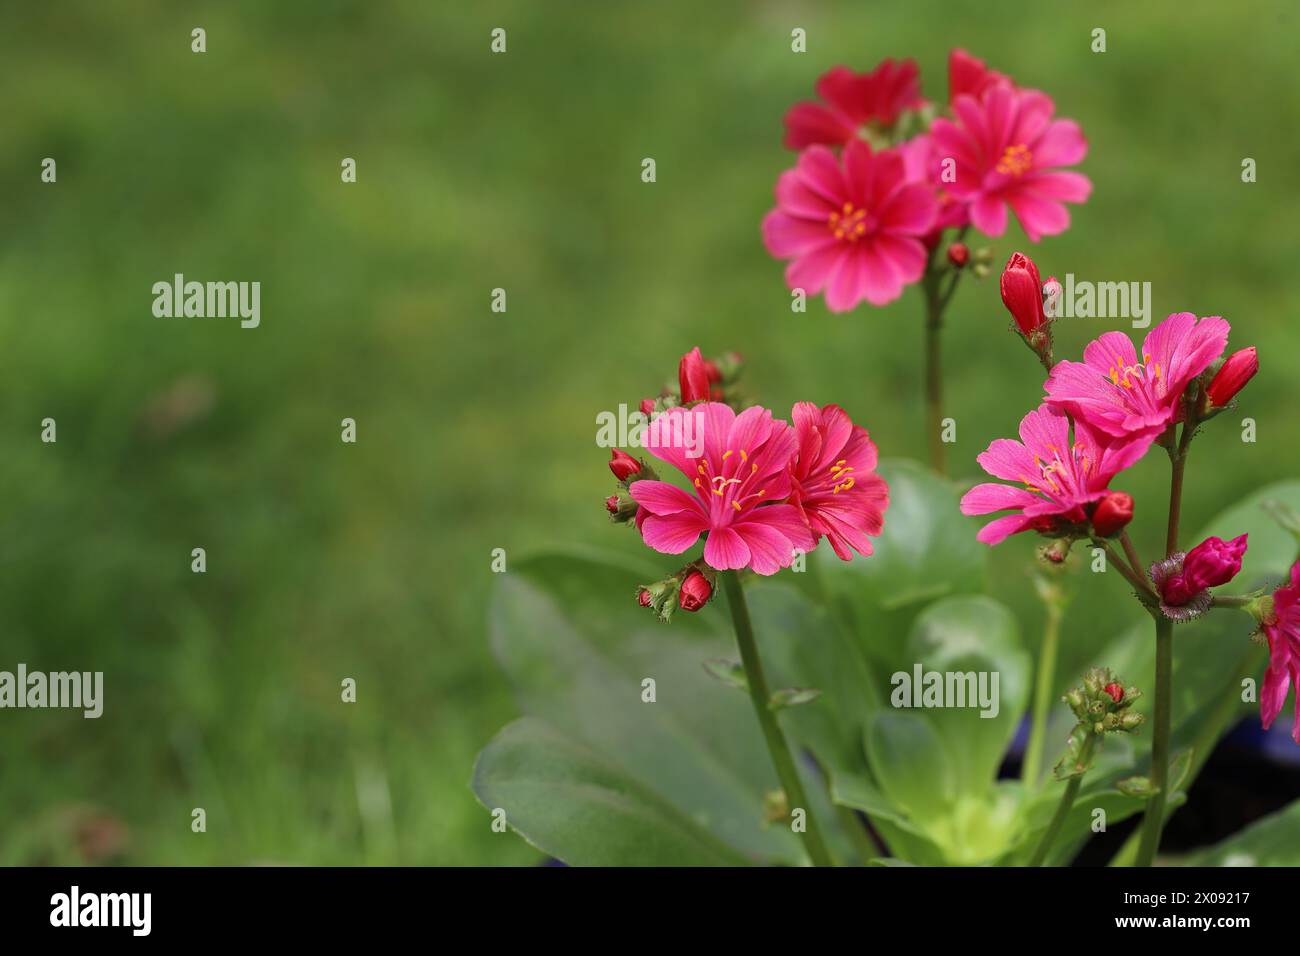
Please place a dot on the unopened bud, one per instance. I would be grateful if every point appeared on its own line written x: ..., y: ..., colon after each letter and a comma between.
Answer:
x: 1112, y: 515
x: 623, y: 465
x: 1232, y: 377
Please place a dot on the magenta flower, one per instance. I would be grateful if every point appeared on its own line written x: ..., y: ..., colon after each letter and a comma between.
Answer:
x: 1283, y: 633
x: 739, y: 466
x: 851, y: 227
x: 1062, y: 479
x: 921, y: 164
x: 968, y: 76
x: 1007, y: 151
x: 835, y: 483
x: 1116, y: 393
x: 852, y: 101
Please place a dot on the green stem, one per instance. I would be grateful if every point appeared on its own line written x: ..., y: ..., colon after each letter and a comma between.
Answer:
x: 1233, y: 600
x: 1139, y: 581
x: 933, y: 371
x: 1042, y: 694
x: 1154, y: 820
x: 1131, y: 553
x: 1179, y: 462
x: 1063, y: 808
x: 760, y: 696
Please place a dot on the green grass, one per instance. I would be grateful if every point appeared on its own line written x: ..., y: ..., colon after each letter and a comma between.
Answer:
x: 476, y: 430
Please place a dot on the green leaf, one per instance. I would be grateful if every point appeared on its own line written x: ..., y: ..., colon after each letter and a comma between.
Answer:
x: 727, y: 672
x: 911, y: 764
x: 926, y: 551
x: 975, y: 642
x: 792, y: 697
x: 1137, y: 787
x: 1273, y: 840
x: 571, y: 802
x: 580, y: 664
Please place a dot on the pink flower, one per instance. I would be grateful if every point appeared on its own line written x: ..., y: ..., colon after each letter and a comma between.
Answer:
x: 1007, y: 149
x: 968, y: 76
x: 741, y: 477
x: 851, y: 227
x: 1062, y: 479
x: 1116, y: 393
x: 1283, y: 633
x: 854, y: 100
x: 836, y: 486
x: 1211, y: 563
x: 922, y: 165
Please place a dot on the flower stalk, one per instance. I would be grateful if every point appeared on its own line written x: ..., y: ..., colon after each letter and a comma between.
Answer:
x: 777, y: 746
x: 1063, y: 808
x: 1153, y: 820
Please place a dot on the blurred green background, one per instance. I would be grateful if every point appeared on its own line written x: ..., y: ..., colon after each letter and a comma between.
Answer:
x: 476, y: 429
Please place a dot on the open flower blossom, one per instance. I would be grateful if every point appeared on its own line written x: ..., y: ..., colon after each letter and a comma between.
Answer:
x: 741, y: 479
x: 835, y: 481
x: 1116, y: 392
x: 1008, y: 151
x: 851, y: 101
x: 852, y: 226
x: 1282, y: 630
x: 1061, y: 478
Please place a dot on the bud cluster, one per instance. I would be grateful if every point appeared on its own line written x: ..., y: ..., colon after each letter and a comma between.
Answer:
x: 621, y: 507
x: 699, y: 379
x: 1102, y: 704
x: 689, y: 589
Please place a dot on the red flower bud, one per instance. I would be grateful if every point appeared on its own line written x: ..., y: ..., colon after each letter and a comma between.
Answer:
x: 1022, y: 293
x: 958, y: 254
x: 1239, y: 369
x: 1113, y: 513
x: 1116, y: 692
x: 693, y: 377
x: 611, y: 504
x: 647, y: 407
x: 643, y: 598
x: 696, y: 591
x: 623, y: 465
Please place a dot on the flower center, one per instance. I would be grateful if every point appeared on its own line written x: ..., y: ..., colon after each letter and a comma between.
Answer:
x: 849, y: 223
x: 1016, y: 160
x: 729, y: 487
x: 1051, y: 471
x: 840, y: 470
x: 1128, y: 376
